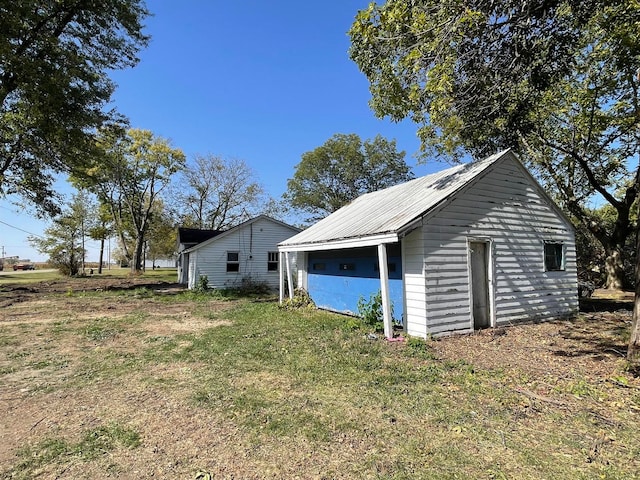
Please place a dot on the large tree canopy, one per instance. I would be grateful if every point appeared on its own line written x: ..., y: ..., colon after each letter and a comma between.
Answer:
x: 215, y: 193
x: 555, y: 80
x: 54, y: 60
x: 129, y: 177
x: 342, y: 169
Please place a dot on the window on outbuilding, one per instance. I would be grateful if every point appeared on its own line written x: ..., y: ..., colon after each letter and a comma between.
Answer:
x: 553, y: 256
x: 272, y: 261
x: 233, y: 261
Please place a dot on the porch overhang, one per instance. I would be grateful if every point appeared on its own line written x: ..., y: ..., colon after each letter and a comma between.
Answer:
x: 379, y: 241
x: 343, y: 243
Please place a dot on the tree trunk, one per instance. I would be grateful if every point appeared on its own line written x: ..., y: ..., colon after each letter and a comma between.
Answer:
x: 136, y: 260
x: 84, y: 251
x: 73, y: 265
x: 633, y: 351
x: 614, y: 269
x: 101, y: 255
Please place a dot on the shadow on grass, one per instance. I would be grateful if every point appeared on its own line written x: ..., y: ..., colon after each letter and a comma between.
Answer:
x: 602, y: 330
x: 590, y: 305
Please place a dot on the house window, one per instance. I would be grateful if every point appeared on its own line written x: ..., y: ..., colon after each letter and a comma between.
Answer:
x: 272, y: 261
x: 553, y: 256
x: 233, y: 261
x: 319, y: 266
x: 347, y: 266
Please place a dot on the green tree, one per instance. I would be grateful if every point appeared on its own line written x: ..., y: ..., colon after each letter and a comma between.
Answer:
x: 280, y: 209
x: 556, y: 81
x: 64, y: 240
x: 215, y: 193
x: 55, y: 57
x: 101, y: 230
x: 342, y: 169
x: 591, y: 257
x: 129, y: 177
x: 163, y: 235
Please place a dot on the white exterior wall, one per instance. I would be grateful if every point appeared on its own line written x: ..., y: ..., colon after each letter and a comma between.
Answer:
x: 505, y: 208
x: 183, y: 268
x: 302, y: 273
x: 413, y: 281
x: 253, y: 242
x: 191, y: 272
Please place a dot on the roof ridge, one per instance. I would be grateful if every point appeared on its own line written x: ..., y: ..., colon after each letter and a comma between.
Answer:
x: 390, y: 209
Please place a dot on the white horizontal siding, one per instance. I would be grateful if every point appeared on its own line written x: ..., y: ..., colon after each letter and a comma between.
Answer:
x: 253, y: 242
x: 413, y: 281
x: 191, y: 277
x: 505, y: 207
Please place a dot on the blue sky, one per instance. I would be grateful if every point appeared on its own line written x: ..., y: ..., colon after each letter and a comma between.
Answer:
x: 260, y: 81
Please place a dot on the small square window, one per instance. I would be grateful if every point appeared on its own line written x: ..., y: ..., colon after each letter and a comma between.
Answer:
x: 347, y: 266
x: 553, y: 256
x: 272, y: 261
x: 233, y: 261
x: 319, y: 266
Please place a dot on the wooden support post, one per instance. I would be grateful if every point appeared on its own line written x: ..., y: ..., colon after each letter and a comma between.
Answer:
x: 289, y: 276
x: 281, y: 274
x: 384, y: 291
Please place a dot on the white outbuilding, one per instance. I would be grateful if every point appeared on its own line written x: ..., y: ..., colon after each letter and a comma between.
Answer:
x: 246, y: 253
x: 474, y: 246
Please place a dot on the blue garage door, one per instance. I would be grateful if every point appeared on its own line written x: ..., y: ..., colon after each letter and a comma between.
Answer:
x: 338, y: 278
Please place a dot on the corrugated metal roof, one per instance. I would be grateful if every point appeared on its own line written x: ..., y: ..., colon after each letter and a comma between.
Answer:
x: 388, y: 211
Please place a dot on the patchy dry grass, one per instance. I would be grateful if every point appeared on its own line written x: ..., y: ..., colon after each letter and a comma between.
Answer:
x: 134, y: 384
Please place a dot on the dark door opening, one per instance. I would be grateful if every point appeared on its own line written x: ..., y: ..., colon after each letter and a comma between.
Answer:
x: 480, y: 284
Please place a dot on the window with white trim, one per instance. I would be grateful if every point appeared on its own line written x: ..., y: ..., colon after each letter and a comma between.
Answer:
x: 272, y: 261
x: 554, y: 253
x: 233, y: 261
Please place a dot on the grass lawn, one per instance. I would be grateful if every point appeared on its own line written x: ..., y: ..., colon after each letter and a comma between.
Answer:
x: 10, y: 278
x: 135, y: 384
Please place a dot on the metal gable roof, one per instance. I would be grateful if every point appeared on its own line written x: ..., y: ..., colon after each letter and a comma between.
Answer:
x: 387, y: 211
x: 236, y: 228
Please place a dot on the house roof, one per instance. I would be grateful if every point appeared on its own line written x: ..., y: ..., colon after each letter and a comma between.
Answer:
x: 195, y: 235
x: 379, y: 217
x: 239, y: 227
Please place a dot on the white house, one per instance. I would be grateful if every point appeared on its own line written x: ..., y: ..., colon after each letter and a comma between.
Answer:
x: 246, y: 252
x: 187, y: 239
x: 477, y: 245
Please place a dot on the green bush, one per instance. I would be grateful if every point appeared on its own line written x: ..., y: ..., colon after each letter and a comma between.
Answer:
x: 202, y: 285
x: 300, y: 300
x: 371, y: 311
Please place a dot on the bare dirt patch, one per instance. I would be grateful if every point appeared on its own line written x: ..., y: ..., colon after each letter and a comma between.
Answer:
x: 11, y: 294
x: 591, y: 346
x: 60, y: 350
